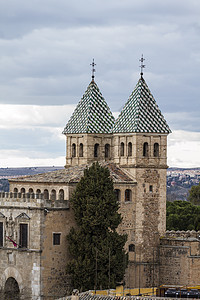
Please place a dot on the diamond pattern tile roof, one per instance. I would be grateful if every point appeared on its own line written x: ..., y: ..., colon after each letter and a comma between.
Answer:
x: 141, y: 113
x: 92, y: 114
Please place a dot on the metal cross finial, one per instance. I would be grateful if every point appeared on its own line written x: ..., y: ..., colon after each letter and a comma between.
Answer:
x: 142, y: 66
x: 93, y: 69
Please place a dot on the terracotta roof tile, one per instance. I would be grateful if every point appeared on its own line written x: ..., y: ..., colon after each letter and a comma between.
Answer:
x: 74, y: 174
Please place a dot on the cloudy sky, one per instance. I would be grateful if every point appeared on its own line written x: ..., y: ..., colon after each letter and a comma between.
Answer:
x: 46, y: 48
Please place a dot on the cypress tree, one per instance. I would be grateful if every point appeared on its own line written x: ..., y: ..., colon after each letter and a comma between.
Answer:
x: 97, y: 250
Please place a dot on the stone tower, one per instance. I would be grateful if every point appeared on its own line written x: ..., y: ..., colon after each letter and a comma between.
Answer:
x: 137, y: 144
x: 140, y: 147
x: 89, y: 130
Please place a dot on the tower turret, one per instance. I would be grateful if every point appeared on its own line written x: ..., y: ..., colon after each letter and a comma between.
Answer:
x: 89, y: 130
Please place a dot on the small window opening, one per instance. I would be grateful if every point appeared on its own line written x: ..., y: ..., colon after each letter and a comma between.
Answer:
x: 23, y: 236
x: 56, y: 238
x: 151, y: 188
x: 46, y: 194
x: 81, y: 150
x: 73, y: 150
x: 156, y: 150
x: 131, y: 248
x: 61, y: 194
x: 53, y: 195
x: 122, y: 149
x: 107, y: 151
x: 145, y: 149
x: 127, y: 195
x: 1, y: 234
x: 96, y: 150
x: 129, y: 149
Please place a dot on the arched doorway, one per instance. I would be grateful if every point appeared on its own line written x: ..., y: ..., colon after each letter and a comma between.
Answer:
x: 11, y: 289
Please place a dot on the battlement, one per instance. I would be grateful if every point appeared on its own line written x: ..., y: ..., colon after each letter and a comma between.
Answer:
x: 189, y: 234
x: 30, y: 200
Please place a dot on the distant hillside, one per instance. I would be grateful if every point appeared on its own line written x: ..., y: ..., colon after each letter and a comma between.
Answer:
x: 13, y: 172
x: 179, y: 180
x: 6, y: 173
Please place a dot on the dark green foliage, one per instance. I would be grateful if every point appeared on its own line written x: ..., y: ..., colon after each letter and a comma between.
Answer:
x: 183, y: 215
x: 194, y: 194
x: 96, y: 213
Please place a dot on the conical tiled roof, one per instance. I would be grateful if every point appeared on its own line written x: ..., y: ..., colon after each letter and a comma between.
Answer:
x: 141, y: 113
x: 92, y: 114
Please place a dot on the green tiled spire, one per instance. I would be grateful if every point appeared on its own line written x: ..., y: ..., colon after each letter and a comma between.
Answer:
x: 141, y: 113
x: 92, y: 114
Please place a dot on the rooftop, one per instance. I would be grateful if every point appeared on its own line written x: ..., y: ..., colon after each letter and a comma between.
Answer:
x: 74, y: 174
x: 141, y: 113
x: 92, y: 114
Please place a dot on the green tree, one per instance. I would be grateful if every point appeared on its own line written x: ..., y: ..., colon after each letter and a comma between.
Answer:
x: 182, y: 215
x: 97, y: 250
x: 194, y: 194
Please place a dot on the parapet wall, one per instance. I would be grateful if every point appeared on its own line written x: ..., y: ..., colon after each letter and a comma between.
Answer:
x: 30, y: 200
x: 183, y: 234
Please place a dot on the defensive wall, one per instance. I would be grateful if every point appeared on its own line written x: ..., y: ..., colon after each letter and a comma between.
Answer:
x: 179, y: 258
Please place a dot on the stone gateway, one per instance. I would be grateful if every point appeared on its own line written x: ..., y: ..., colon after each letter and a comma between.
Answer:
x: 35, y: 216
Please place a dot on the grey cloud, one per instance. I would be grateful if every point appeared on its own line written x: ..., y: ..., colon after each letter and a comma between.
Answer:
x: 48, y: 46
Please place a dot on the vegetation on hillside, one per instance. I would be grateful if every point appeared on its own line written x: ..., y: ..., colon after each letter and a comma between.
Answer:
x: 98, y: 259
x: 194, y: 194
x: 182, y: 215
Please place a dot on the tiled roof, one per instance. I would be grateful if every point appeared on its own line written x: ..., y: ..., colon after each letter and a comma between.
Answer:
x: 141, y: 113
x: 92, y: 114
x: 74, y: 174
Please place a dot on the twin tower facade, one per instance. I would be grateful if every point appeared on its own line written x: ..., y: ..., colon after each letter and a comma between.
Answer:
x: 136, y: 144
x: 36, y: 215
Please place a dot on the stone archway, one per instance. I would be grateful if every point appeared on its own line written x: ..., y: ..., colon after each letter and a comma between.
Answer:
x: 11, y: 289
x: 11, y: 277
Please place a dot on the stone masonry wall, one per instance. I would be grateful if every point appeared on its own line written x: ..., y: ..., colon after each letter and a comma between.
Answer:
x: 55, y: 257
x: 180, y: 259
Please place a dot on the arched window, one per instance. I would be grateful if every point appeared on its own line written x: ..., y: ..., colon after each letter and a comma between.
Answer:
x: 30, y: 191
x: 81, y: 150
x: 53, y: 195
x: 145, y: 149
x: 96, y: 150
x: 23, y: 190
x: 46, y: 194
x: 38, y: 191
x: 61, y: 194
x: 15, y: 190
x: 73, y: 150
x: 122, y: 149
x: 131, y: 248
x: 156, y: 150
x: 127, y: 195
x: 107, y: 151
x: 129, y: 149
x: 117, y: 194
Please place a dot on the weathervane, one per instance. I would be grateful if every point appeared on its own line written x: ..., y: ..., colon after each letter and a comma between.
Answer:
x: 93, y: 69
x: 142, y: 66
